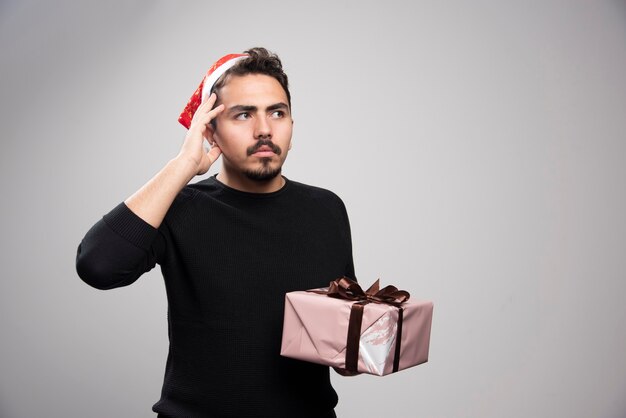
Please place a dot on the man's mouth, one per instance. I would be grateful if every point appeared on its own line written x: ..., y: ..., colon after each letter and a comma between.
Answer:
x: 266, y: 149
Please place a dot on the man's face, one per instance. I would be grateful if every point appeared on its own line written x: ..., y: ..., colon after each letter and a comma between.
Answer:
x: 254, y: 130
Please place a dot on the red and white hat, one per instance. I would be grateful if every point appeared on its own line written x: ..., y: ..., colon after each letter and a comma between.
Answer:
x: 215, y: 72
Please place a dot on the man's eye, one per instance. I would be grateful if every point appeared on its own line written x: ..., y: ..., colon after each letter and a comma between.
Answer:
x: 243, y: 116
x: 278, y: 114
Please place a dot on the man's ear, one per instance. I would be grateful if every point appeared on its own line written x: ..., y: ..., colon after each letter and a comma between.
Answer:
x: 209, y: 134
x: 289, y: 149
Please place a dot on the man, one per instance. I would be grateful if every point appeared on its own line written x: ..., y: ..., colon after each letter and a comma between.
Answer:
x: 229, y: 247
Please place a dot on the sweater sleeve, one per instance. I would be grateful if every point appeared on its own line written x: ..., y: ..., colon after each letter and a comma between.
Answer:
x: 118, y: 249
x: 349, y: 270
x: 350, y: 265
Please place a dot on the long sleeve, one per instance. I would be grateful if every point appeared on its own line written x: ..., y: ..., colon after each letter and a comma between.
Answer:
x: 350, y: 265
x: 118, y: 249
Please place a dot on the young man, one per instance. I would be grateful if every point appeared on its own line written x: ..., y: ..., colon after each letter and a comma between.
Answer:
x: 229, y: 247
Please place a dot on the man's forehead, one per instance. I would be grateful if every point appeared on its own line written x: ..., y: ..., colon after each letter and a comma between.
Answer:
x: 251, y: 90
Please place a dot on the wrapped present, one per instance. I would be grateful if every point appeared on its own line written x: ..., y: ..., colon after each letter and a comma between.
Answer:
x: 377, y: 331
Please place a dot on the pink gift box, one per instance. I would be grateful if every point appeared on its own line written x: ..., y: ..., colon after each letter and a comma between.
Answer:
x: 316, y: 326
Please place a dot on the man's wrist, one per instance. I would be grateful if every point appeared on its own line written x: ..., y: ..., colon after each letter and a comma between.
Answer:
x: 184, y: 166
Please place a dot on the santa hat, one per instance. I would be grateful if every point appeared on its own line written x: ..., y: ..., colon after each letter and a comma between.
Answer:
x: 215, y: 72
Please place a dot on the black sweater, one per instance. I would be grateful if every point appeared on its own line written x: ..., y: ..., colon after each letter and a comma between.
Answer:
x: 228, y: 258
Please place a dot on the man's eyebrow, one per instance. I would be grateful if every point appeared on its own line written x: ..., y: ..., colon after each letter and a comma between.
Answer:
x: 242, y: 108
x: 277, y: 106
x: 250, y: 108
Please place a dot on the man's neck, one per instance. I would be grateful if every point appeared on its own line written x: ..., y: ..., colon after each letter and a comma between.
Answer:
x: 241, y: 182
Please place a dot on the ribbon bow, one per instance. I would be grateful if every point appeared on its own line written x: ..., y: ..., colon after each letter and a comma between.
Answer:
x: 345, y: 288
x: 348, y: 289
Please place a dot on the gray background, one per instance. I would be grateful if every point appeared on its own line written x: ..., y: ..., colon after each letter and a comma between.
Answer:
x: 479, y: 147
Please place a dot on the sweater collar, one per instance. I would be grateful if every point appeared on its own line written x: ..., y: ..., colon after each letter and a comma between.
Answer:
x: 213, y: 180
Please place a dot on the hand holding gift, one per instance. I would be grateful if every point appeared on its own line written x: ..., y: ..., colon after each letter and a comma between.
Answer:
x: 377, y: 331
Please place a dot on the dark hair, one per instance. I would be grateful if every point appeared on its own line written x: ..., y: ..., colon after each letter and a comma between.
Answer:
x: 260, y: 61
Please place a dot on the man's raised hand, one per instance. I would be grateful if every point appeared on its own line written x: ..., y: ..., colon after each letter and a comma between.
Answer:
x: 199, y: 131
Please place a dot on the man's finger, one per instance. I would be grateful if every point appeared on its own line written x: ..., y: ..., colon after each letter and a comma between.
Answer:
x: 213, y: 113
x: 202, y: 117
x: 209, y: 101
x: 214, y: 153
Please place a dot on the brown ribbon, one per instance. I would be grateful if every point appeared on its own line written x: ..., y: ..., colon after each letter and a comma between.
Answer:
x: 345, y: 288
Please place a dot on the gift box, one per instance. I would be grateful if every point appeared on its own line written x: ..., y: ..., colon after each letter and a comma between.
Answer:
x: 377, y: 331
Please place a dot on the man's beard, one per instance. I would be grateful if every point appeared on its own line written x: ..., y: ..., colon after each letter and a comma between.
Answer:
x: 264, y: 173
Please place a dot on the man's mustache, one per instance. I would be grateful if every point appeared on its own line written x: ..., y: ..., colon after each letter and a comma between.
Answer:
x: 264, y: 143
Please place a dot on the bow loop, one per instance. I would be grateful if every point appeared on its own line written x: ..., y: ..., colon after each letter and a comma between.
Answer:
x: 344, y: 288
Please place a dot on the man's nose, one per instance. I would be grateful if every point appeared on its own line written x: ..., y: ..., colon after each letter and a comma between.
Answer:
x: 262, y: 128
